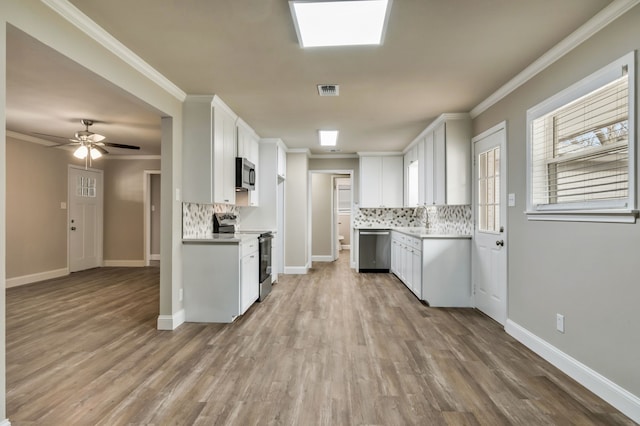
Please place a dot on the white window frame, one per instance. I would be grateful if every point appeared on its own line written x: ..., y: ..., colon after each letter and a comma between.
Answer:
x: 619, y: 211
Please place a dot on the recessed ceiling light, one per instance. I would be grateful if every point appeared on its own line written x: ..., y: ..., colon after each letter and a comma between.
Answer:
x: 340, y: 23
x: 328, y: 137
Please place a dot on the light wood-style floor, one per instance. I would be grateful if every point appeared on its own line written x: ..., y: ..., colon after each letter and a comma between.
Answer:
x: 329, y: 348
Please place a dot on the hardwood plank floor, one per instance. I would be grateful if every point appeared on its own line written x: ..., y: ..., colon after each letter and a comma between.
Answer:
x: 330, y: 348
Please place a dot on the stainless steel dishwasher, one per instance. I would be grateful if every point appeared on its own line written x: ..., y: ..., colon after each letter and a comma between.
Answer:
x: 374, y: 248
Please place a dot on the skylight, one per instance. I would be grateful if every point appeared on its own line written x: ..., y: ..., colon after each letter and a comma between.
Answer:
x: 340, y: 23
x: 328, y: 137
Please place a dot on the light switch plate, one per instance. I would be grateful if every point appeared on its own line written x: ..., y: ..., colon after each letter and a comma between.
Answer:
x: 512, y: 200
x: 560, y: 323
x: 63, y: 205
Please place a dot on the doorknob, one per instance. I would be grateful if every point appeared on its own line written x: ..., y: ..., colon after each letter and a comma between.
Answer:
x: 500, y: 243
x: 73, y: 228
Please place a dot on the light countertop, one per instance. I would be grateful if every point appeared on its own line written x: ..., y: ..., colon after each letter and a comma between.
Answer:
x: 418, y: 232
x: 236, y: 238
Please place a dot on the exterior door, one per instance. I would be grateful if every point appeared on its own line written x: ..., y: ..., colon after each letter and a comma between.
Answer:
x: 490, y: 235
x: 85, y: 218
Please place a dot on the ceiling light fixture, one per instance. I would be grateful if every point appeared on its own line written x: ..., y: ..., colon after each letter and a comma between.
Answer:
x: 340, y: 23
x: 328, y: 137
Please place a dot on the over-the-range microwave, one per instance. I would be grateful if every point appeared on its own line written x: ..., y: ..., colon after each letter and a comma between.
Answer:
x: 245, y: 175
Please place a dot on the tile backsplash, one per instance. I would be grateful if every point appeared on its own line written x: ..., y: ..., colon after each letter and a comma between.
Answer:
x: 444, y: 219
x: 197, y: 219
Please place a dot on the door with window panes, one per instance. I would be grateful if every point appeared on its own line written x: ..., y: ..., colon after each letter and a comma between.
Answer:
x: 489, y: 248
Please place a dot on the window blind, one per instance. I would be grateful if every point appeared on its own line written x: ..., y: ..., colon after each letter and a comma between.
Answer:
x: 580, y: 151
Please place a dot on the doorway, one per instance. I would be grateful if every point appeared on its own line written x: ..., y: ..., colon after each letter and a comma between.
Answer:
x: 152, y: 193
x: 323, y: 217
x: 85, y: 218
x: 489, y: 255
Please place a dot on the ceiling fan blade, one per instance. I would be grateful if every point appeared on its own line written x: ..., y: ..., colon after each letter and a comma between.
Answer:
x: 96, y: 138
x: 100, y: 149
x: 119, y: 145
x: 63, y: 144
x: 51, y: 136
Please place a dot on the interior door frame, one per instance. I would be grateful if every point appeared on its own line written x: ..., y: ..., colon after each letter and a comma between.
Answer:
x: 502, y: 126
x: 349, y: 172
x: 146, y: 191
x: 101, y: 214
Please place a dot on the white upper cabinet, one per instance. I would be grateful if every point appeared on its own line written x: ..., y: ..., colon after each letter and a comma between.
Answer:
x: 447, y: 160
x: 381, y: 181
x: 413, y: 169
x: 249, y: 148
x: 209, y: 150
x: 282, y: 162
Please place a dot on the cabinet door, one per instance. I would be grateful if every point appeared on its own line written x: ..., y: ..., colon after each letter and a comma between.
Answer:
x: 440, y: 162
x: 392, y: 181
x: 370, y: 176
x: 429, y: 172
x: 229, y: 160
x: 416, y: 273
x: 422, y: 190
x: 282, y: 162
x: 249, y: 286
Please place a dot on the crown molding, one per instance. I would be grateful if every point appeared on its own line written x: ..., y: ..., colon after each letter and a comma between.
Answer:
x: 85, y: 24
x: 573, y: 40
x: 305, y: 151
x: 379, y: 154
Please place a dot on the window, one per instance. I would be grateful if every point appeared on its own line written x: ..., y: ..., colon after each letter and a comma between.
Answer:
x: 489, y: 190
x: 344, y: 198
x: 580, y: 149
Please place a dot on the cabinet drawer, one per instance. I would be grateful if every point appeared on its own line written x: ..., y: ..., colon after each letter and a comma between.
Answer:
x: 248, y: 247
x: 415, y: 243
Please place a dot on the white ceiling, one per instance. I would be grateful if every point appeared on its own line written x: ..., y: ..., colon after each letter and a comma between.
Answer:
x: 438, y: 56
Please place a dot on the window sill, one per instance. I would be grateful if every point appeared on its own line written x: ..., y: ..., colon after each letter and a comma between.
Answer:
x: 603, y: 216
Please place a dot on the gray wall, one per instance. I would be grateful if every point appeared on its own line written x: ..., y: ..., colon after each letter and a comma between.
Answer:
x: 36, y: 224
x: 124, y: 208
x: 321, y: 193
x: 340, y: 164
x: 296, y: 211
x: 585, y: 271
x: 36, y: 237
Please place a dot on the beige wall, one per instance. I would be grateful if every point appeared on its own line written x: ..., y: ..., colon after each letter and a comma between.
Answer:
x: 37, y: 225
x: 296, y: 211
x: 585, y: 271
x: 321, y: 214
x: 124, y: 208
x: 36, y: 237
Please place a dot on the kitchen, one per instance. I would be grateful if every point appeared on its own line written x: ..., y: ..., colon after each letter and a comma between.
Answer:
x: 528, y: 240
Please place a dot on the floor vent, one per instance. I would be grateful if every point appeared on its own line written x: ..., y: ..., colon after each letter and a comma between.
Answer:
x: 328, y: 89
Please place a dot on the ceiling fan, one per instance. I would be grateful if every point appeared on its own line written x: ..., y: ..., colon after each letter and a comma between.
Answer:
x: 91, y: 145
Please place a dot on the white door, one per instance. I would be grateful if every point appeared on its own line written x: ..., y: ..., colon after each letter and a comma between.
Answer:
x: 85, y: 218
x: 490, y: 236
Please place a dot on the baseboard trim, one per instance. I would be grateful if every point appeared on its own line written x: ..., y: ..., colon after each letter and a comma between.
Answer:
x: 296, y: 270
x: 623, y: 400
x: 346, y: 247
x: 5, y: 422
x: 154, y: 257
x: 322, y: 258
x: 34, y: 278
x: 125, y: 263
x: 171, y: 322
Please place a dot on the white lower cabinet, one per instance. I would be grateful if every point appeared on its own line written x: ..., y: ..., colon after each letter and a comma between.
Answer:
x: 406, y: 261
x: 220, y: 280
x: 436, y: 270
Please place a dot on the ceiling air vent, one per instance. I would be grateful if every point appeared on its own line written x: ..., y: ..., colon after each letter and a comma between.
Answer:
x: 328, y: 89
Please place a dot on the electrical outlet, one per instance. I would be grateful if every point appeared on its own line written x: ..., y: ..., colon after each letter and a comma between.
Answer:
x: 511, y: 202
x: 181, y: 294
x: 560, y: 323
